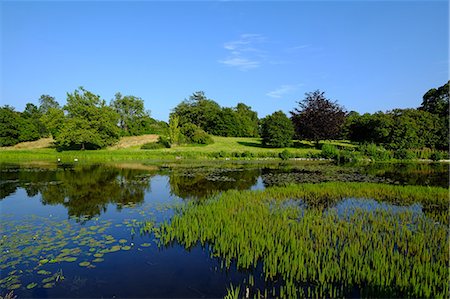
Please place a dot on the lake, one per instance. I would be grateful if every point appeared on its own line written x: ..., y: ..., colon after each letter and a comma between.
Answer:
x: 77, y: 230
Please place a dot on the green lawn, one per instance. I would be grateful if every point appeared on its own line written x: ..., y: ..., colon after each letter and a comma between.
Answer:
x: 222, y: 148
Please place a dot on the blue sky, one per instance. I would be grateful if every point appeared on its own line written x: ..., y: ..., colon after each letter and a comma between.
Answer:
x: 367, y: 55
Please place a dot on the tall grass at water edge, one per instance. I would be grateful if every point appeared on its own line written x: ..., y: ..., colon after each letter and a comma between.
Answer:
x: 317, y: 252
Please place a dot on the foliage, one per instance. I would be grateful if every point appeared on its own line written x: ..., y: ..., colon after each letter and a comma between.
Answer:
x: 436, y: 101
x: 46, y: 103
x: 318, y: 118
x: 192, y: 134
x: 436, y: 156
x: 152, y: 145
x: 133, y: 119
x: 330, y: 152
x: 240, y: 121
x: 53, y: 120
x: 164, y: 141
x: 374, y: 152
x: 9, y: 126
x: 89, y: 123
x: 285, y: 155
x: 277, y: 130
x: 404, y: 154
x: 174, y: 129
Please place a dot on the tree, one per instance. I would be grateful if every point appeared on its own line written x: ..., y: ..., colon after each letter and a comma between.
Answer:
x: 133, y: 119
x: 53, y: 121
x: 198, y: 110
x: 46, y: 103
x: 318, y: 118
x: 174, y: 129
x: 9, y: 126
x: 277, y: 130
x: 89, y: 123
x: 436, y: 101
x: 32, y: 118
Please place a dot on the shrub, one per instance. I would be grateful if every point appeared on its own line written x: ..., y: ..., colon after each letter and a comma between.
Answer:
x: 285, y: 155
x: 330, y: 152
x: 165, y: 141
x: 152, y: 145
x: 404, y: 154
x: 247, y: 154
x: 194, y: 134
x: 436, y: 156
x: 376, y: 153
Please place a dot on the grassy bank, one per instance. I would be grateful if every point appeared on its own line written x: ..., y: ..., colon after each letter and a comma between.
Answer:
x: 222, y: 148
x: 321, y: 253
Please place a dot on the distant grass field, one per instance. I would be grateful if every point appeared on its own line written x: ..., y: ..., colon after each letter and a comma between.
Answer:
x: 129, y: 149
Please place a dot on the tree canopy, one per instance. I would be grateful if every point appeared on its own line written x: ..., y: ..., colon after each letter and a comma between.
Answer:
x: 239, y: 121
x: 318, y: 118
x: 277, y: 130
x: 89, y: 123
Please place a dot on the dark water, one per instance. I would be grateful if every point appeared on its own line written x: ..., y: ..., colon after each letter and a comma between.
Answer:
x: 77, y: 230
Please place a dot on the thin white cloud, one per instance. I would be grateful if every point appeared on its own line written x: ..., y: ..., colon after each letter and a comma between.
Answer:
x: 245, y: 53
x: 282, y: 90
x: 241, y: 63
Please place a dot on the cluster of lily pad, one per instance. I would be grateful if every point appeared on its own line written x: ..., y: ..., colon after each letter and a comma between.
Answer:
x: 30, y: 248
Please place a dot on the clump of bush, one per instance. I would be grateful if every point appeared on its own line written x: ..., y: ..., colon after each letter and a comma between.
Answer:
x: 376, y: 153
x: 285, y: 155
x: 329, y: 152
x: 192, y: 134
x: 436, y: 156
x: 152, y: 146
x: 404, y: 154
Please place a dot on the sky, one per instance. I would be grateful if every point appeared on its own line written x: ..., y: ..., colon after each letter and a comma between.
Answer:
x: 368, y: 55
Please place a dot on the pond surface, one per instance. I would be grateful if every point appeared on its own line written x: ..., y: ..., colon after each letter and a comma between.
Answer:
x: 78, y: 230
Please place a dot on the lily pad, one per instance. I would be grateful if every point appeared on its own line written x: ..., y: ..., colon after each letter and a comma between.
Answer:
x: 48, y: 279
x: 98, y: 255
x: 114, y: 248
x: 122, y: 241
x: 48, y: 285
x: 14, y: 286
x: 84, y: 264
x: 98, y: 260
x: 31, y: 285
x: 43, y: 261
x: 126, y: 248
x: 70, y: 259
x: 145, y: 244
x: 43, y: 272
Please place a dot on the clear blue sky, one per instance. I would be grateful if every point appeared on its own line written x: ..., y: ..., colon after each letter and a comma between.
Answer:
x: 368, y: 55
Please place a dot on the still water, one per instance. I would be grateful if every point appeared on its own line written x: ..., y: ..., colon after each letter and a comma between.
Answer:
x: 78, y: 230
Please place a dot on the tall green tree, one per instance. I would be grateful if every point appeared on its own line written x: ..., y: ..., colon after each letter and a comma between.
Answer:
x: 89, y: 123
x: 46, y: 103
x: 199, y: 110
x: 174, y: 129
x: 318, y: 118
x: 436, y: 101
x: 277, y: 130
x: 53, y: 120
x: 9, y: 126
x: 133, y: 119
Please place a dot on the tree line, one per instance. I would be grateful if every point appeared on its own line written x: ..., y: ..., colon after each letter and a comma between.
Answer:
x: 87, y: 122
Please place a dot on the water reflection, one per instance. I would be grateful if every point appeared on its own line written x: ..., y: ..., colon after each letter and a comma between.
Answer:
x: 87, y: 190
x: 84, y: 190
x: 200, y: 182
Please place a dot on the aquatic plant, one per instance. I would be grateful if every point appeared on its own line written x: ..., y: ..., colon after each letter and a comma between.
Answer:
x: 232, y: 292
x: 318, y: 252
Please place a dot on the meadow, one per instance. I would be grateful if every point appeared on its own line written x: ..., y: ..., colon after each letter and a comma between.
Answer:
x: 223, y: 147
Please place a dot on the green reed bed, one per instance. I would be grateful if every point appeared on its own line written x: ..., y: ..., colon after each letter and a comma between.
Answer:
x: 316, y: 252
